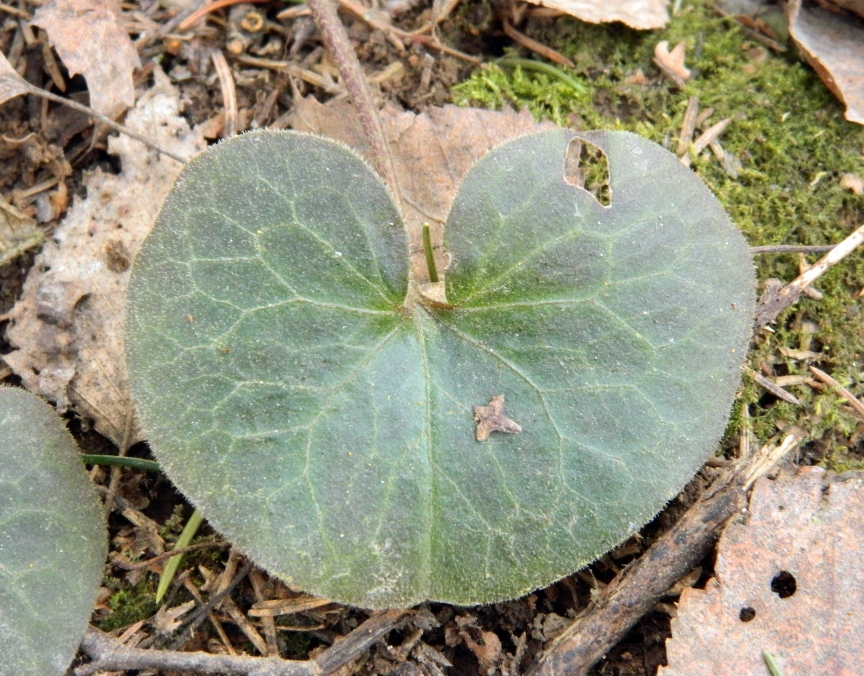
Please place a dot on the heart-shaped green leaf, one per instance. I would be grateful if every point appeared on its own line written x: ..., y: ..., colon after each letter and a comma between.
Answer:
x: 52, y: 539
x: 321, y: 413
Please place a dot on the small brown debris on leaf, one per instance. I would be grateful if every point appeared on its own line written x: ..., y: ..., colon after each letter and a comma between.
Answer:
x: 91, y: 40
x: 833, y: 45
x: 672, y: 62
x: 492, y: 419
x: 638, y: 14
x: 852, y: 182
x: 793, y: 570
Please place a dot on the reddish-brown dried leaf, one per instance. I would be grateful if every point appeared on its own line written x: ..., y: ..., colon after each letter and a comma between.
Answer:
x: 834, y: 45
x: 805, y: 527
x: 639, y: 14
x: 90, y: 39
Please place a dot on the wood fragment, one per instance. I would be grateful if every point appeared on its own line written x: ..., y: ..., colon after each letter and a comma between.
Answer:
x: 711, y: 134
x: 790, y: 248
x: 671, y: 63
x: 854, y: 402
x: 774, y: 303
x: 278, y: 607
x: 688, y: 126
x: 728, y: 161
x: 268, y: 623
x: 229, y: 93
x: 537, y: 47
x: 772, y: 387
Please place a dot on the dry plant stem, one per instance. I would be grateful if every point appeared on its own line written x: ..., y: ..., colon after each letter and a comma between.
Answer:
x: 116, y: 126
x: 336, y: 40
x: 854, y: 402
x: 785, y: 297
x: 635, y: 591
x: 790, y: 248
x: 109, y: 655
x: 229, y: 92
x: 688, y: 126
x: 537, y: 47
x: 772, y: 387
x: 201, y: 613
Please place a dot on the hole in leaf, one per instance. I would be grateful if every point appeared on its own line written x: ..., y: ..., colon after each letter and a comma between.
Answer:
x: 747, y: 613
x: 585, y: 166
x: 784, y: 584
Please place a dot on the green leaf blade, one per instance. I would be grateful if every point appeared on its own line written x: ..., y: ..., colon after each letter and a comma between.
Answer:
x: 53, y: 539
x: 326, y: 425
x: 624, y: 380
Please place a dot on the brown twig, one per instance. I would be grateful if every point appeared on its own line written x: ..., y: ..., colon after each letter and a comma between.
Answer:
x: 772, y: 305
x: 773, y: 388
x: 204, y: 10
x: 635, y: 591
x: 854, y: 402
x: 164, y: 556
x: 104, y: 119
x: 688, y: 126
x: 229, y: 92
x: 107, y: 654
x: 336, y: 40
x: 537, y: 47
x: 790, y: 248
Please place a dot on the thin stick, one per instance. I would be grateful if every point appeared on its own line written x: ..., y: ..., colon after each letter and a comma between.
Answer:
x: 109, y: 655
x: 116, y: 126
x: 842, y: 391
x: 790, y: 248
x: 772, y: 306
x: 688, y: 126
x: 773, y: 388
x: 229, y: 93
x: 537, y: 47
x: 336, y: 40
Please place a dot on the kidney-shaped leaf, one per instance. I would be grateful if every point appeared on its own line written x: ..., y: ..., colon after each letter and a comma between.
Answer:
x: 300, y: 391
x: 52, y: 539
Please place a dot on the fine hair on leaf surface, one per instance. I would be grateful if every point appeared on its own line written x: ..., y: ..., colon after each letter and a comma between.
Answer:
x: 322, y: 414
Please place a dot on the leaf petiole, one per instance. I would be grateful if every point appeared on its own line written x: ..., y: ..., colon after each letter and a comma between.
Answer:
x: 430, y: 256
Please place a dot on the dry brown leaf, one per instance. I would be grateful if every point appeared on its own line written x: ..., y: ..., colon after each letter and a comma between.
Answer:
x: 856, y: 6
x: 789, y: 581
x: 90, y: 38
x: 432, y: 153
x: 672, y: 63
x: 639, y: 14
x: 852, y: 182
x: 68, y: 325
x: 18, y: 232
x: 834, y: 45
x: 11, y: 84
